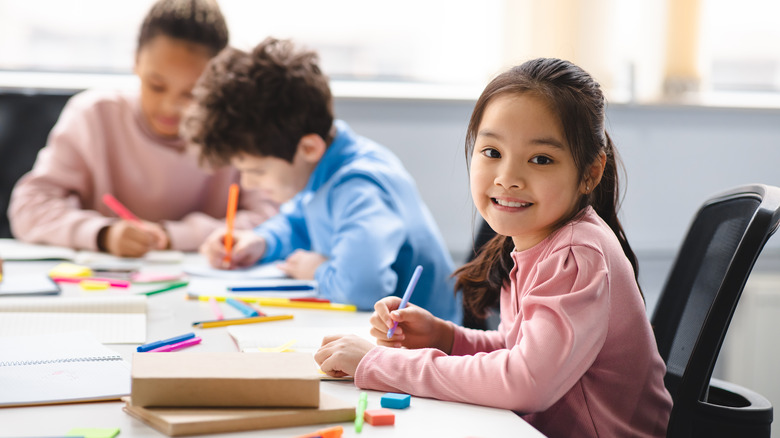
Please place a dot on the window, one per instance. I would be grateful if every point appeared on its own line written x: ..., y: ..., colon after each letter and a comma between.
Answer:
x: 435, y: 41
x: 631, y: 46
x: 741, y: 45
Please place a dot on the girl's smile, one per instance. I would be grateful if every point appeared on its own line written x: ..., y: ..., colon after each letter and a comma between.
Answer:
x: 508, y: 204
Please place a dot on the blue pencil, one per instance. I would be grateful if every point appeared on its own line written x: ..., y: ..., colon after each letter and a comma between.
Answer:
x: 243, y: 308
x: 407, y: 295
x: 280, y: 287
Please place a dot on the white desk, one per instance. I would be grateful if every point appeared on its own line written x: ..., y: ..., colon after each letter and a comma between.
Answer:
x: 170, y: 314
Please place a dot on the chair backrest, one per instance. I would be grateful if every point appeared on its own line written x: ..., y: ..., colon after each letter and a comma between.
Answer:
x: 25, y: 122
x: 701, y: 293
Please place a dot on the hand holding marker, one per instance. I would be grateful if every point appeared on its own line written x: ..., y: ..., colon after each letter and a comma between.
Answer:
x: 407, y: 295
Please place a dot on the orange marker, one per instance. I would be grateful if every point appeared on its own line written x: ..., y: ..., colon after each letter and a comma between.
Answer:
x: 230, y: 217
x: 331, y: 432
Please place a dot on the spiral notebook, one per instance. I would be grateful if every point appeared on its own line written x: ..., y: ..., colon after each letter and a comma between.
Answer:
x: 64, y: 367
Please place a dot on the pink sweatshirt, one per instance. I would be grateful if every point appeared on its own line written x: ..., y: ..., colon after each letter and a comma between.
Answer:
x: 102, y: 144
x: 574, y: 352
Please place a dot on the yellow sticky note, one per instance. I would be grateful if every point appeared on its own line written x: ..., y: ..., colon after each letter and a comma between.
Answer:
x: 94, y: 284
x: 94, y: 432
x: 280, y: 349
x: 70, y: 270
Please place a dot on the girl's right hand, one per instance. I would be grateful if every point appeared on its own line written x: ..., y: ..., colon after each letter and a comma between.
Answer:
x: 126, y: 239
x: 417, y: 327
x: 247, y: 249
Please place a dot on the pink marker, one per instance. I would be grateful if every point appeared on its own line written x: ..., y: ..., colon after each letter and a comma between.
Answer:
x: 111, y: 281
x: 178, y: 346
x: 121, y: 211
x: 215, y: 307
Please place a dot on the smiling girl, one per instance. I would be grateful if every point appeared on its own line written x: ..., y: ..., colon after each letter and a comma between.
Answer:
x: 574, y: 353
x: 128, y: 144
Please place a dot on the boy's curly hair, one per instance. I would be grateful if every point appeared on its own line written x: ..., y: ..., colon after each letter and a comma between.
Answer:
x: 259, y: 103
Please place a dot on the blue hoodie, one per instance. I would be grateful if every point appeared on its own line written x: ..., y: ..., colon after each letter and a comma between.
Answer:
x: 361, y: 209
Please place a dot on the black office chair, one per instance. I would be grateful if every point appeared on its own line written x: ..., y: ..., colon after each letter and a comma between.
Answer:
x: 25, y: 122
x: 695, y: 309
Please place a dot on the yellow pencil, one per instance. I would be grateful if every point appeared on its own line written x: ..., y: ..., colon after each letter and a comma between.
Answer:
x: 234, y: 321
x: 281, y: 302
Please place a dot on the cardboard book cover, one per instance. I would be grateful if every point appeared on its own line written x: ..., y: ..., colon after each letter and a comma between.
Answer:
x: 199, y: 421
x: 225, y: 379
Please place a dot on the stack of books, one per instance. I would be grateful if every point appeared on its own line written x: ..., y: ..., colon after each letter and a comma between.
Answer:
x: 202, y: 393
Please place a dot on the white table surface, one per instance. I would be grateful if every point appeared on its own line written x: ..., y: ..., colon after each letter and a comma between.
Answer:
x: 170, y: 314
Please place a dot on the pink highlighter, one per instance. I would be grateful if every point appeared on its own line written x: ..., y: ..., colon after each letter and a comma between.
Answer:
x: 122, y: 211
x: 177, y: 346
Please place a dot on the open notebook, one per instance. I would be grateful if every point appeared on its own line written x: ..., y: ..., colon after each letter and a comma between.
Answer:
x: 26, y: 284
x: 61, y: 367
x: 267, y: 270
x: 253, y: 338
x: 14, y: 250
x: 112, y: 319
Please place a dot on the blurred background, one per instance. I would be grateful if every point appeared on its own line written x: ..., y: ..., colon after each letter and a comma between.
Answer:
x: 640, y: 50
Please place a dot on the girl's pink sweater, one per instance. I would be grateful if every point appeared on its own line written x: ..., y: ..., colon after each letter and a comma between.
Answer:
x: 574, y: 352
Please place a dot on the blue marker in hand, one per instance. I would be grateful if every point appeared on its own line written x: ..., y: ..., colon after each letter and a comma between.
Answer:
x: 407, y: 295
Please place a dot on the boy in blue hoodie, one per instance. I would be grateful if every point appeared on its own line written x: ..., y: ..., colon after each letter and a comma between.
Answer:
x: 352, y: 218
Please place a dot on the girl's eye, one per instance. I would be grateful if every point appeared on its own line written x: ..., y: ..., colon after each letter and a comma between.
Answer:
x: 541, y: 159
x: 491, y: 153
x: 156, y: 88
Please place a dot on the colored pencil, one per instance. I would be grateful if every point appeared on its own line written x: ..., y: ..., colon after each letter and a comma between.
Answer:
x: 235, y: 321
x: 282, y: 302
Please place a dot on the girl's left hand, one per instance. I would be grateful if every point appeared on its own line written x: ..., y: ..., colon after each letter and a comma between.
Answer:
x: 302, y: 264
x: 340, y: 355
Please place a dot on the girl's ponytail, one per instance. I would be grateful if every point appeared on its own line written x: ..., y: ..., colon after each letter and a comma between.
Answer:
x: 605, y: 200
x: 481, y: 279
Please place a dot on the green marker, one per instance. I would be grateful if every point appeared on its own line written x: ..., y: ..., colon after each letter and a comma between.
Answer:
x: 171, y: 286
x: 361, y: 408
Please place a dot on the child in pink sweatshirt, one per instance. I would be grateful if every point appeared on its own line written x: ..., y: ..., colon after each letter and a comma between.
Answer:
x: 127, y: 144
x: 574, y: 353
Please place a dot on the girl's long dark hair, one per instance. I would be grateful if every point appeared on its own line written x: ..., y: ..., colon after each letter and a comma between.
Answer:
x: 578, y: 101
